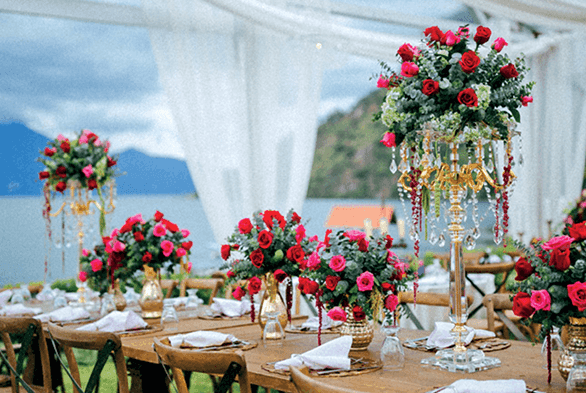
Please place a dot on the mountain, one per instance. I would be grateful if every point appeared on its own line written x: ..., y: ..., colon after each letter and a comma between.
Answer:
x: 143, y: 174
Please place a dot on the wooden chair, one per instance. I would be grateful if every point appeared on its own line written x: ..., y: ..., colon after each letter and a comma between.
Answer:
x: 104, y: 342
x: 229, y: 364
x: 33, y: 341
x: 202, y: 283
x: 169, y: 285
x: 496, y: 307
x: 305, y: 384
x: 427, y: 299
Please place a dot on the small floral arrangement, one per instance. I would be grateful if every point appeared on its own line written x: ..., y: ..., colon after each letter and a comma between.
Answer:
x: 268, y: 243
x: 459, y: 93
x: 577, y: 212
x: 156, y: 242
x: 349, y: 270
x: 84, y: 160
x: 94, y: 268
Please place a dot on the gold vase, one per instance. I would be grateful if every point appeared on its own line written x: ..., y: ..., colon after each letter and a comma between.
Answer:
x: 272, y: 301
x: 362, y: 332
x: 151, y: 297
x: 576, y: 342
x: 118, y: 296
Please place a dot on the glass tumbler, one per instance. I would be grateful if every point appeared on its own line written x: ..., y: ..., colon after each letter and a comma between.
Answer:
x: 169, y: 318
x: 392, y: 354
x: 577, y: 376
x: 107, y: 304
x: 273, y: 334
x: 192, y: 303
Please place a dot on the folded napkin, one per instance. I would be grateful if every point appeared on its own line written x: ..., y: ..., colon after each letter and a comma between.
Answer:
x: 496, y: 386
x: 19, y: 309
x: 312, y: 323
x: 116, y: 321
x: 442, y: 338
x: 333, y: 354
x: 5, y: 296
x: 201, y: 338
x: 182, y: 300
x: 46, y: 294
x: 229, y: 307
x: 64, y: 314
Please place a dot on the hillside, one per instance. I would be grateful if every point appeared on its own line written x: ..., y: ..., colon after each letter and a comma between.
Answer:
x: 349, y: 160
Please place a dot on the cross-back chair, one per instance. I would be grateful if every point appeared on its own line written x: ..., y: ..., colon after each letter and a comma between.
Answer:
x: 33, y: 340
x: 305, y: 384
x: 228, y: 364
x: 201, y: 283
x: 496, y: 306
x: 169, y: 285
x: 427, y: 299
x: 107, y: 344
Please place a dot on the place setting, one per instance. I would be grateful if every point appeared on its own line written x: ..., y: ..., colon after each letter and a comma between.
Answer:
x: 207, y: 340
x: 311, y: 326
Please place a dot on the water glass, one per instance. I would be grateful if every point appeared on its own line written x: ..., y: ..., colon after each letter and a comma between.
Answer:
x: 169, y: 318
x: 556, y: 346
x: 17, y: 297
x: 107, y: 304
x: 392, y: 354
x: 577, y: 376
x: 192, y: 303
x: 59, y: 302
x: 273, y: 334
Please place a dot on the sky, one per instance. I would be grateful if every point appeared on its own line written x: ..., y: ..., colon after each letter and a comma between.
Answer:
x: 59, y: 76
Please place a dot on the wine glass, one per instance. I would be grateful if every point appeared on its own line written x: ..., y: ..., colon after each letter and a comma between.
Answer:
x: 577, y: 376
x: 273, y: 334
x: 107, y: 304
x: 192, y: 303
x: 556, y: 345
x: 391, y: 354
x: 169, y: 318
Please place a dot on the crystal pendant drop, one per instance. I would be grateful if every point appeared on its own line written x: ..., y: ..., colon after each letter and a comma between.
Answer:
x: 413, y: 235
x: 403, y: 166
x: 393, y: 167
x: 490, y: 166
x: 433, y: 237
x: 438, y: 161
x: 470, y: 242
x: 416, y: 160
x: 476, y: 232
x: 441, y: 241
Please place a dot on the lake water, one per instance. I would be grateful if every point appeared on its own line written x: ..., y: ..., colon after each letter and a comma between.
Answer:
x: 22, y: 232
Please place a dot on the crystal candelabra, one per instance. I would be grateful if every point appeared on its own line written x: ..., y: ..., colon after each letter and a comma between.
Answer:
x: 426, y: 179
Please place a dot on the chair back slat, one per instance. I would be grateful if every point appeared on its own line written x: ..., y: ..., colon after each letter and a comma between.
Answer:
x: 201, y: 283
x: 306, y: 384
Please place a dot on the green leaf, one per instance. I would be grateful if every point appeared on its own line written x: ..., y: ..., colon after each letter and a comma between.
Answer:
x: 516, y: 114
x: 556, y: 307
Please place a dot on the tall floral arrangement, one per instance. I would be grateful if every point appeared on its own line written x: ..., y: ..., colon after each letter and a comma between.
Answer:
x: 156, y: 242
x: 267, y: 243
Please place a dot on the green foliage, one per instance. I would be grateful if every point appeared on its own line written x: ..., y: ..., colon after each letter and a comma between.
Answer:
x: 67, y: 285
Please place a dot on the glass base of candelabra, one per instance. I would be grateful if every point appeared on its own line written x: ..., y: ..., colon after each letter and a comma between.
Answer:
x: 469, y: 361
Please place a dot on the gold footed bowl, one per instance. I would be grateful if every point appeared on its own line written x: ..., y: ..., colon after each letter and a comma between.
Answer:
x: 362, y: 331
x: 576, y: 342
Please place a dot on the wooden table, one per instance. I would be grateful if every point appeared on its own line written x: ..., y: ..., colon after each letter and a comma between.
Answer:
x: 520, y: 361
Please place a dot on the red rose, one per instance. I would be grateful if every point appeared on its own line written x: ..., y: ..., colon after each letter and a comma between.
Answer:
x: 469, y: 62
x: 332, y: 282
x: 280, y: 275
x: 509, y: 71
x: 327, y: 237
x: 138, y: 236
x: 257, y: 257
x: 61, y: 186
x: 187, y: 245
x: 230, y: 274
x: 310, y: 287
x: 244, y: 226
x: 578, y: 231
x: 61, y: 171
x: 358, y: 313
x: 238, y: 293
x: 92, y: 184
x: 50, y: 151
x: 65, y: 146
x: 522, y: 305
x: 363, y: 245
x: 434, y: 33
x: 158, y: 216
x: 44, y: 175
x: 405, y: 52
x: 430, y: 87
x: 468, y: 97
x: 388, y: 287
x: 225, y: 251
x: 296, y: 254
x: 295, y: 218
x: 560, y: 259
x: 523, y: 269
x: 147, y: 257
x: 111, y: 162
x: 482, y: 35
x: 389, y: 242
x: 127, y: 227
x: 254, y: 285
x: 169, y: 225
x: 265, y: 239
x: 270, y: 215
x: 106, y: 240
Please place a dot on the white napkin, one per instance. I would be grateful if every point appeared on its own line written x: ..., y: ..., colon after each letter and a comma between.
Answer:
x: 46, y: 294
x: 182, y: 300
x: 116, y: 321
x: 64, y: 314
x: 442, y: 338
x: 494, y: 259
x: 229, y: 307
x: 496, y: 386
x: 19, y: 309
x: 312, y: 323
x: 201, y: 338
x: 333, y: 354
x: 5, y: 296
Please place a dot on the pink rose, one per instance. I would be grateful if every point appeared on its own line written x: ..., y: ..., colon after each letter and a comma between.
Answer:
x: 577, y: 294
x: 83, y: 276
x: 540, y: 300
x: 167, y: 247
x: 409, y: 69
x: 114, y: 233
x: 185, y: 232
x: 188, y: 268
x: 119, y: 247
x: 558, y: 242
x: 355, y: 235
x: 337, y: 263
x: 136, y: 218
x: 337, y: 314
x: 499, y: 44
x: 525, y: 100
x: 61, y: 138
x: 391, y: 302
x: 96, y: 265
x: 238, y: 293
x: 97, y: 142
x: 365, y: 281
x: 88, y: 170
x: 83, y: 139
x: 392, y: 257
x: 463, y: 32
x: 106, y: 146
x: 314, y: 261
x: 180, y: 252
x: 382, y: 83
x: 85, y: 252
x: 389, y: 139
x: 159, y: 230
x: 450, y: 39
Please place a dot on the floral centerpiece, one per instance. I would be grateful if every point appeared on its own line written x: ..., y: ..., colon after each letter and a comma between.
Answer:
x: 268, y: 245
x: 156, y: 243
x: 353, y: 276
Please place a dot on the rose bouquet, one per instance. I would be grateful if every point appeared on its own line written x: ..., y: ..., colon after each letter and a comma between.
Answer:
x: 156, y: 242
x: 267, y: 244
x: 349, y: 271
x: 94, y: 269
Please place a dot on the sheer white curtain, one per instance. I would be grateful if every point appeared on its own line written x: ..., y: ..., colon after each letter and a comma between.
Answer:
x: 245, y: 104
